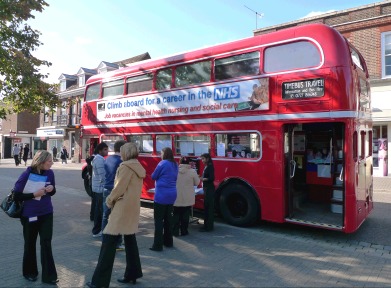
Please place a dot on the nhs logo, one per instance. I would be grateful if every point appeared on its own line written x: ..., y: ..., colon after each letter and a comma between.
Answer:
x: 227, y: 92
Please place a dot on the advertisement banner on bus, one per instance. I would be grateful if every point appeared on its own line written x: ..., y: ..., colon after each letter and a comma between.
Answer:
x: 230, y: 97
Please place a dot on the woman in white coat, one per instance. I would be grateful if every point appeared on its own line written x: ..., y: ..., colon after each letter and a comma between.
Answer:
x: 187, y: 179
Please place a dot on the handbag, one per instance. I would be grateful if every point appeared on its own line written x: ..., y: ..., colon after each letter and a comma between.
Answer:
x: 11, y: 207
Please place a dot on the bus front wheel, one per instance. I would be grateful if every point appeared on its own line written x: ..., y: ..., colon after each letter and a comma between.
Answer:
x: 238, y: 205
x: 86, y: 181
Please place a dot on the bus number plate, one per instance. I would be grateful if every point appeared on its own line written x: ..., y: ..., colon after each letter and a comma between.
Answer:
x: 303, y: 89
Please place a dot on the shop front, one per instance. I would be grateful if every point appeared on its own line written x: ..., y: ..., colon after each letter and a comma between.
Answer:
x: 47, y: 138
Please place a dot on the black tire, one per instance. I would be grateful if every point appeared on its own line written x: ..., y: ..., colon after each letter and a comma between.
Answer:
x: 86, y: 180
x: 238, y: 206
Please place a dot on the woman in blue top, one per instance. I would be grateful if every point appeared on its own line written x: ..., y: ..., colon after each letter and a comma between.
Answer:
x: 37, y: 216
x: 165, y: 176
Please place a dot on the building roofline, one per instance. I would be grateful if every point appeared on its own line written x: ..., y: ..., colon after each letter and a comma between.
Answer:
x: 321, y: 16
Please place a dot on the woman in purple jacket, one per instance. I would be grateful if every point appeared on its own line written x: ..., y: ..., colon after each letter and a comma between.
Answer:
x: 165, y: 176
x: 35, y: 187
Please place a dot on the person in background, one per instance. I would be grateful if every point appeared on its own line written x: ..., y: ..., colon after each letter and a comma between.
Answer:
x: 54, y: 153
x: 187, y: 179
x: 89, y: 175
x: 124, y: 202
x: 208, y: 176
x: 63, y: 155
x: 15, y: 154
x: 26, y: 151
x: 37, y: 218
x: 165, y: 176
x: 111, y: 165
x: 98, y: 182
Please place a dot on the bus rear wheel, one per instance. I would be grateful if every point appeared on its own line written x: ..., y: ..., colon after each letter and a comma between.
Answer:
x: 238, y: 206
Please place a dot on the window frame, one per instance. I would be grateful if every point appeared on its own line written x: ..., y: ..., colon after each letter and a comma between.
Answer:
x: 383, y: 53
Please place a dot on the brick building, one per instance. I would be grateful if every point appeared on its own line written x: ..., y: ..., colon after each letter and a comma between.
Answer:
x: 62, y: 128
x: 17, y: 129
x: 368, y: 28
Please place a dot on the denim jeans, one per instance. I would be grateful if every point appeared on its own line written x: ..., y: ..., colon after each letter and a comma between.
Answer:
x: 106, y: 210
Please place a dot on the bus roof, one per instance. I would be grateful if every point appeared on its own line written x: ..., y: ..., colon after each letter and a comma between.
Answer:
x: 325, y: 35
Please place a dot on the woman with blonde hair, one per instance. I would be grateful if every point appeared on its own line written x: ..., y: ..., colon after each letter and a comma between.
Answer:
x: 37, y: 216
x: 124, y: 202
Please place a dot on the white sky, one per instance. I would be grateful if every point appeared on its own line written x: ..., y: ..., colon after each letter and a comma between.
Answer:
x: 82, y: 33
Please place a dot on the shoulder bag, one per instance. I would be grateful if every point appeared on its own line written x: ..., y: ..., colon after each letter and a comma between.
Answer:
x: 11, y: 207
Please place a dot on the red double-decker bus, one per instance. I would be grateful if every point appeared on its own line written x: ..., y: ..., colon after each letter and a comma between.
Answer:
x: 286, y: 117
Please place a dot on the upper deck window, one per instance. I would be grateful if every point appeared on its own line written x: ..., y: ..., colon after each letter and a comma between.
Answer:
x: 163, y: 79
x: 139, y: 83
x: 291, y: 56
x: 93, y: 92
x: 191, y: 74
x: 113, y: 88
x: 236, y: 66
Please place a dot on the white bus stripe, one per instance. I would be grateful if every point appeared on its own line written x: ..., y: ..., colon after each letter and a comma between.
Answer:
x: 274, y: 117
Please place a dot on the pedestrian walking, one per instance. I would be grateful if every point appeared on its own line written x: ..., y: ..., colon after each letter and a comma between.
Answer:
x: 35, y: 187
x: 54, y: 153
x: 187, y: 179
x: 124, y: 202
x: 165, y: 176
x: 63, y: 155
x: 98, y: 182
x: 111, y: 165
x: 15, y: 154
x: 26, y: 151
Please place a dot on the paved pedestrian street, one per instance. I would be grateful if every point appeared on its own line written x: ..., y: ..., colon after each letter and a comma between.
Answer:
x: 229, y: 257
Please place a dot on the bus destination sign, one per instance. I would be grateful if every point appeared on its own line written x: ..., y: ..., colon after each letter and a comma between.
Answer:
x: 303, y: 89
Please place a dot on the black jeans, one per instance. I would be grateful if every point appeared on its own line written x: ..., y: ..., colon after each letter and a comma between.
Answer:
x: 16, y: 158
x: 181, y: 220
x: 98, y: 213
x: 209, y: 207
x: 104, y: 268
x: 162, y: 214
x: 44, y: 227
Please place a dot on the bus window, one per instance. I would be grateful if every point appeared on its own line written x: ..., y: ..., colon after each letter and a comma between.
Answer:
x: 191, y: 74
x: 93, y: 92
x: 163, y: 79
x: 236, y: 66
x: 356, y: 59
x: 291, y: 56
x: 362, y: 145
x: 162, y: 141
x: 355, y: 150
x: 110, y: 140
x: 113, y: 88
x: 143, y: 142
x: 238, y: 145
x: 187, y: 145
x: 139, y: 83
